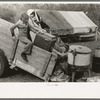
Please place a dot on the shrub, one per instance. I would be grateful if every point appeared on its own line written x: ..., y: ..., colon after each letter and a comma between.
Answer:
x: 7, y: 14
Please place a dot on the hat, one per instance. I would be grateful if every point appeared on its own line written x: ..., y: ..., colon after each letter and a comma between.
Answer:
x: 30, y: 11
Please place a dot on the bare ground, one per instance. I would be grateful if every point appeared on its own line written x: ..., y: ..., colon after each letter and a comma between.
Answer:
x: 20, y: 76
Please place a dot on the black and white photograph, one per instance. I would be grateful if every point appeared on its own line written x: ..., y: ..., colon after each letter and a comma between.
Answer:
x: 49, y: 42
x: 49, y: 49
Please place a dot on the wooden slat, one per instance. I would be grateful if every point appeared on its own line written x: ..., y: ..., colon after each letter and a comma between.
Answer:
x: 6, y: 36
x: 51, y: 64
x: 4, y: 43
x: 33, y: 58
x: 6, y: 51
x: 37, y: 59
x: 35, y: 49
x: 7, y: 45
x: 35, y: 55
x: 29, y: 68
x: 5, y: 26
x: 46, y: 64
x: 32, y: 62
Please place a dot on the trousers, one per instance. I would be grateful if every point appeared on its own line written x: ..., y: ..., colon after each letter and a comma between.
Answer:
x: 28, y: 45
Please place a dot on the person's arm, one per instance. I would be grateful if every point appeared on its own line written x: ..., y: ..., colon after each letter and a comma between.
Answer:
x: 35, y: 29
x: 12, y: 30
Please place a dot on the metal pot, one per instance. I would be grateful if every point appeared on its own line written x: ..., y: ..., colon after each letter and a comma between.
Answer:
x: 80, y: 55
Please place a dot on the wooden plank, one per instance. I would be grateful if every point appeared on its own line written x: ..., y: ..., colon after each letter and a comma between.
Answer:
x: 51, y: 64
x: 6, y: 48
x: 6, y: 51
x: 34, y: 59
x: 35, y: 49
x: 5, y: 26
x: 39, y: 66
x: 46, y: 64
x: 29, y: 68
x: 37, y: 59
x: 5, y: 36
x: 37, y: 56
x: 4, y: 43
x: 37, y: 52
x: 31, y: 62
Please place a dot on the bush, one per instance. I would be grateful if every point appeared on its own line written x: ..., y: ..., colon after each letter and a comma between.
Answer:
x: 7, y: 14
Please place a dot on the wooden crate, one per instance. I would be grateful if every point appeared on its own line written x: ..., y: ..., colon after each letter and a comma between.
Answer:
x: 41, y: 62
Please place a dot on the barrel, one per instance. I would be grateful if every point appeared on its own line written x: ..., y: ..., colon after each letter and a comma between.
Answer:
x: 82, y: 57
x: 96, y: 60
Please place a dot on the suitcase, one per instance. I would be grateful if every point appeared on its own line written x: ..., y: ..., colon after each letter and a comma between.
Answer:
x: 45, y: 41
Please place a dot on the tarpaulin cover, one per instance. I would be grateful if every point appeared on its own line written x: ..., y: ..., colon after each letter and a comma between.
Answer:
x: 67, y: 22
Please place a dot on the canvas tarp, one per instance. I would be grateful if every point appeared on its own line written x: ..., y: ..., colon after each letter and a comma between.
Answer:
x: 57, y: 23
x: 67, y: 22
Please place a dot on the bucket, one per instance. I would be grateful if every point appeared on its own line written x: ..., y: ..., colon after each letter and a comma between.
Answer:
x: 82, y: 57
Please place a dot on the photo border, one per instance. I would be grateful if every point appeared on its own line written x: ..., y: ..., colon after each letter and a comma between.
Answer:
x: 6, y: 87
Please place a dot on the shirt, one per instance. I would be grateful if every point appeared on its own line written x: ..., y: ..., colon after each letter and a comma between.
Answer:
x: 23, y: 28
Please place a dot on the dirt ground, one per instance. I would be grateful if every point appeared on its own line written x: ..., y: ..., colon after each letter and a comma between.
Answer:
x: 23, y: 76
x: 20, y: 76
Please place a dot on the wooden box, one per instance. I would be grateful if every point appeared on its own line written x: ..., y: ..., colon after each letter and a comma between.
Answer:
x: 41, y: 62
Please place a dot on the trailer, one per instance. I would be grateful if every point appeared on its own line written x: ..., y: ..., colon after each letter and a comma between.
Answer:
x: 41, y: 62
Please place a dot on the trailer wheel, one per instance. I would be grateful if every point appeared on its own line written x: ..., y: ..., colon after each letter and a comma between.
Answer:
x: 3, y: 65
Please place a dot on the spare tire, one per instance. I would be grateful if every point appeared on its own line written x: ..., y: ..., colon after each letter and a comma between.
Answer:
x: 3, y: 65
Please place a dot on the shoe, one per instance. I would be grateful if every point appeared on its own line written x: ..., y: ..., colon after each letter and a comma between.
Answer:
x: 23, y: 55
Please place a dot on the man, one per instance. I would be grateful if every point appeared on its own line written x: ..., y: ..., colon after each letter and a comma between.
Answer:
x: 24, y: 27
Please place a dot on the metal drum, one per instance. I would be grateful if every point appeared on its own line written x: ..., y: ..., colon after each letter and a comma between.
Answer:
x: 82, y: 56
x: 96, y: 60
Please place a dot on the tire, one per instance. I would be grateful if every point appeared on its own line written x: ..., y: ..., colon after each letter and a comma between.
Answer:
x: 3, y: 65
